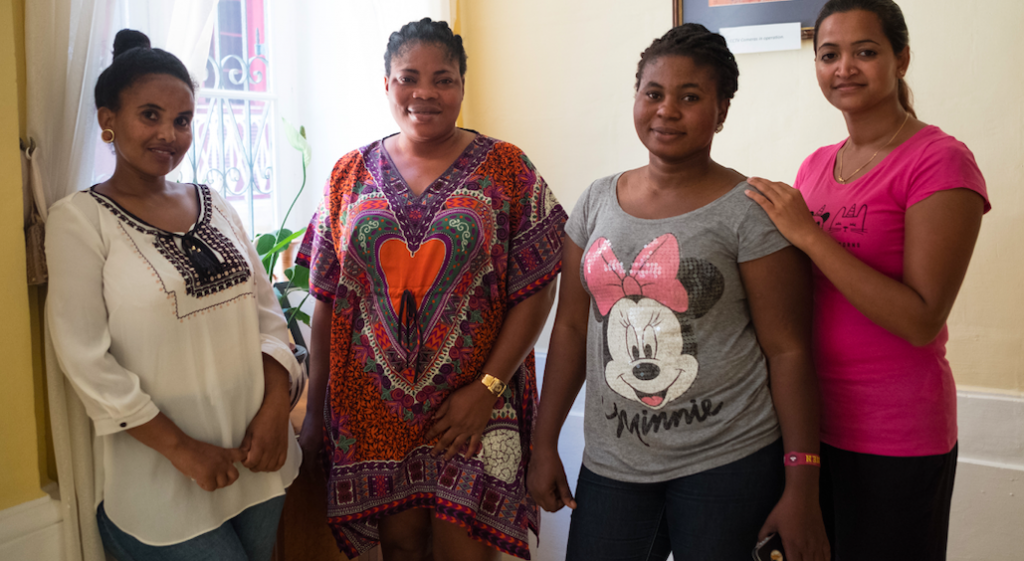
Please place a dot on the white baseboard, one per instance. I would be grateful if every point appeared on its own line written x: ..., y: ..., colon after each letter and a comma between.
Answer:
x: 991, y: 429
x: 32, y: 531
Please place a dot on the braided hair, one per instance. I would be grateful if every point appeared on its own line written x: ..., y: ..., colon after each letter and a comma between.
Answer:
x: 133, y: 59
x: 425, y: 31
x: 894, y: 26
x: 704, y: 47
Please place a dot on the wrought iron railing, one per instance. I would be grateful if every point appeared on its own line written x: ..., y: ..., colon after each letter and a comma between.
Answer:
x: 233, y: 127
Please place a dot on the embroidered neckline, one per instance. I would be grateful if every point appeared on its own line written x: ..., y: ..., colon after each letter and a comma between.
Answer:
x: 236, y: 269
x: 416, y: 213
x: 202, y: 199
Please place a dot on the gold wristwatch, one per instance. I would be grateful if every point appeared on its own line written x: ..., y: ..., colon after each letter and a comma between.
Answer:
x: 494, y: 385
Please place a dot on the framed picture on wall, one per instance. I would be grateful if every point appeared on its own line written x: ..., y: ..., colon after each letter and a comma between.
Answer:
x: 715, y: 14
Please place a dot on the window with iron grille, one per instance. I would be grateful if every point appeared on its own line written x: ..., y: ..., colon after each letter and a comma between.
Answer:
x: 233, y: 128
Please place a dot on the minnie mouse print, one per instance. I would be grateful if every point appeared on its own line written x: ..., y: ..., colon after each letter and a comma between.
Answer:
x: 650, y: 349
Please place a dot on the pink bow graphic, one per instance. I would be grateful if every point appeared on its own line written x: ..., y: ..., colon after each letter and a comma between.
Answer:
x: 653, y: 275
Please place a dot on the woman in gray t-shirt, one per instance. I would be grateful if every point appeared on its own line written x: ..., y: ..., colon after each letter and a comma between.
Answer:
x: 689, y: 318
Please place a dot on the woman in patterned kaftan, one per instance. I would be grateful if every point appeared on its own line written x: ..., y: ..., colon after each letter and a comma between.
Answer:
x: 432, y: 258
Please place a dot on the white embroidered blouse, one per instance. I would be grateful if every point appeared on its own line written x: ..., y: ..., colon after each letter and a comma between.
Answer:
x: 138, y: 331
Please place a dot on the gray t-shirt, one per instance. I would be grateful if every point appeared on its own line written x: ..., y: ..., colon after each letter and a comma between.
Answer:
x: 676, y: 381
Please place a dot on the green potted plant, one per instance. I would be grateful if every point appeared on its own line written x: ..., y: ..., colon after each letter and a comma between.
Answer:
x: 271, y: 245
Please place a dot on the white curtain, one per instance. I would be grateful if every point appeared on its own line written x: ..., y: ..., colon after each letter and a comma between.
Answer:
x: 64, y: 45
x: 67, y: 45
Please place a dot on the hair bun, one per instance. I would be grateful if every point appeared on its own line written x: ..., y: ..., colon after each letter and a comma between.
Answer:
x: 128, y: 39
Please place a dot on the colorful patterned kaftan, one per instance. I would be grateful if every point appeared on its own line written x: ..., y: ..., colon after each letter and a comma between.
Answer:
x: 420, y: 287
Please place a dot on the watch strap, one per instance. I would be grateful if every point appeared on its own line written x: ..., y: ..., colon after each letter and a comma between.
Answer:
x: 494, y: 385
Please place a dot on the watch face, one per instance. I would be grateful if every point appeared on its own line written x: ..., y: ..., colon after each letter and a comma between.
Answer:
x: 494, y: 385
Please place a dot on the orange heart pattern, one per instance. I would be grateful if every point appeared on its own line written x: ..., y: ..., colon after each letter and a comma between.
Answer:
x: 404, y: 270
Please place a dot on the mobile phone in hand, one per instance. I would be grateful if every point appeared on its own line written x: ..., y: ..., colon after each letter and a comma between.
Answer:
x: 769, y: 549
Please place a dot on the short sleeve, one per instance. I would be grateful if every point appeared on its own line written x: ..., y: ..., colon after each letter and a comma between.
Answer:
x: 535, y: 250
x: 801, y: 174
x: 577, y: 228
x: 816, y: 161
x: 945, y: 164
x: 757, y: 235
x: 318, y: 254
x: 76, y: 317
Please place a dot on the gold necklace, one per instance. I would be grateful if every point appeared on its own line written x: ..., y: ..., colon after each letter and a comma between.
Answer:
x: 839, y: 176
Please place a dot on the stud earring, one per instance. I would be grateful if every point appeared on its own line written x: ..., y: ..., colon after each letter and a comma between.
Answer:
x: 103, y: 136
x: 720, y: 127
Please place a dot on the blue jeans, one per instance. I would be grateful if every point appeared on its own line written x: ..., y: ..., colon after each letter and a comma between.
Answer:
x: 249, y: 536
x: 713, y: 515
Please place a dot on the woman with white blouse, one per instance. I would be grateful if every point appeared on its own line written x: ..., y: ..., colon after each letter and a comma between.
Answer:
x: 166, y: 325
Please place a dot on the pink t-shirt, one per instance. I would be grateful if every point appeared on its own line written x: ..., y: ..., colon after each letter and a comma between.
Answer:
x: 880, y: 394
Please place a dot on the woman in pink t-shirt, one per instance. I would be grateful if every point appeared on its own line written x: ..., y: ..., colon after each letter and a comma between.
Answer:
x: 889, y: 217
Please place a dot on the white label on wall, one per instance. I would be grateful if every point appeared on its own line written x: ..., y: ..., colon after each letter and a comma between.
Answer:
x: 762, y: 38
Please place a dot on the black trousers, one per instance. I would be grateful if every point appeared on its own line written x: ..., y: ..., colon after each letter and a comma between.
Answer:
x: 880, y: 508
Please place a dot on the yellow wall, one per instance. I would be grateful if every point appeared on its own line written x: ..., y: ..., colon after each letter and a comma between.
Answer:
x: 19, y: 450
x: 556, y: 79
x: 36, y: 295
x: 18, y: 9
